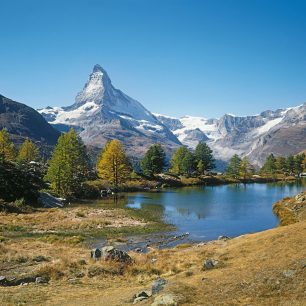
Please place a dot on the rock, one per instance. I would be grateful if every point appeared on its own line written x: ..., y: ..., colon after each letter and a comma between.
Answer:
x: 158, y: 285
x: 301, y: 197
x: 41, y: 280
x: 74, y: 281
x: 139, y: 299
x: 49, y: 201
x: 95, y: 254
x: 165, y: 300
x: 3, y: 281
x: 111, y: 253
x: 210, y: 264
x: 138, y: 250
x: 143, y: 293
x: 288, y: 273
x: 224, y: 238
x: 40, y: 258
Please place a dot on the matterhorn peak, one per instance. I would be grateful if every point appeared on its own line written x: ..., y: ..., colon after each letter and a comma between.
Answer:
x: 98, y: 68
x: 96, y: 88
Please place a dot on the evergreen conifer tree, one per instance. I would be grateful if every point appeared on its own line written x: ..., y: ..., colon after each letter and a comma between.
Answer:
x: 269, y: 166
x: 69, y: 165
x: 188, y: 163
x: 290, y: 164
x: 233, y: 169
x: 298, y: 163
x: 204, y: 154
x: 154, y: 160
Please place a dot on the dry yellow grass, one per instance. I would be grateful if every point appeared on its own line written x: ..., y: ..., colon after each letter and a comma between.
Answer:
x: 251, y: 272
x: 291, y: 210
x: 74, y: 218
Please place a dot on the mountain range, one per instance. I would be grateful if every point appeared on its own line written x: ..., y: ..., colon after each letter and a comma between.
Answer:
x: 282, y: 132
x: 101, y: 112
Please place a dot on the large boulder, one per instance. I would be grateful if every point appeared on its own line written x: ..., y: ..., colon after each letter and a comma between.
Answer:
x: 47, y: 200
x: 95, y: 254
x: 210, y: 264
x: 111, y: 253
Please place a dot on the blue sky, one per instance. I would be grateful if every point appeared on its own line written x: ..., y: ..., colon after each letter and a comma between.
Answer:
x: 177, y: 57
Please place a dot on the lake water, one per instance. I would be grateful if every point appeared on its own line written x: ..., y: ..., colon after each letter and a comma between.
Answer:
x: 207, y: 212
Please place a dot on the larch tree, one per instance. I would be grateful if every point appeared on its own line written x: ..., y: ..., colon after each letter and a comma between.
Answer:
x: 7, y: 148
x: 69, y: 165
x: 177, y: 160
x: 246, y: 168
x: 28, y: 152
x: 113, y: 164
x: 154, y: 160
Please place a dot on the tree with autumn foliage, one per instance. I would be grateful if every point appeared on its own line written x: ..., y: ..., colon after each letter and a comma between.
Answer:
x: 113, y: 164
x: 7, y: 148
x: 28, y: 152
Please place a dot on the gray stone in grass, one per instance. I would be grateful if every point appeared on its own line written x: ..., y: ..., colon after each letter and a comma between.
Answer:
x: 158, y: 285
x: 210, y: 264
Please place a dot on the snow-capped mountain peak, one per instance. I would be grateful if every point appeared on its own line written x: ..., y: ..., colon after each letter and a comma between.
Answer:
x: 95, y: 89
x: 102, y: 112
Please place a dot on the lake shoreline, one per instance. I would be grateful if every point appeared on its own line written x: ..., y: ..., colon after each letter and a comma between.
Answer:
x: 73, y: 277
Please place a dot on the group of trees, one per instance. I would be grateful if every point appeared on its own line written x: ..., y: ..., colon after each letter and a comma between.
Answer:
x: 185, y: 162
x: 69, y: 166
x: 240, y: 168
x: 18, y: 177
x: 291, y: 165
x: 27, y: 152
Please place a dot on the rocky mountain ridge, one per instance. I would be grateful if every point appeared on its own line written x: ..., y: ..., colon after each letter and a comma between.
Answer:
x: 101, y: 112
x: 281, y: 132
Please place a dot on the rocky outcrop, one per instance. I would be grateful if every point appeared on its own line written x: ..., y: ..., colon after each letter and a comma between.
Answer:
x: 291, y: 210
x: 113, y: 254
x: 47, y: 200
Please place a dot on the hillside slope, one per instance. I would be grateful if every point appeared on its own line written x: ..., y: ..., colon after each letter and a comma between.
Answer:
x: 22, y: 121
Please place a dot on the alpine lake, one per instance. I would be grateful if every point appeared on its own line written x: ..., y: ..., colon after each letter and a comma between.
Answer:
x: 201, y: 214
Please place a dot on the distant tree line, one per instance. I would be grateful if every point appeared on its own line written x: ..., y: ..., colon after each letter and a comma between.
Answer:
x: 291, y: 165
x: 23, y: 172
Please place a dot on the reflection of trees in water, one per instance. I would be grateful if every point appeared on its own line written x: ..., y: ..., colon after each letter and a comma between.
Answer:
x: 183, y: 211
x: 289, y: 185
x: 186, y: 212
x: 200, y: 216
x: 152, y: 209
